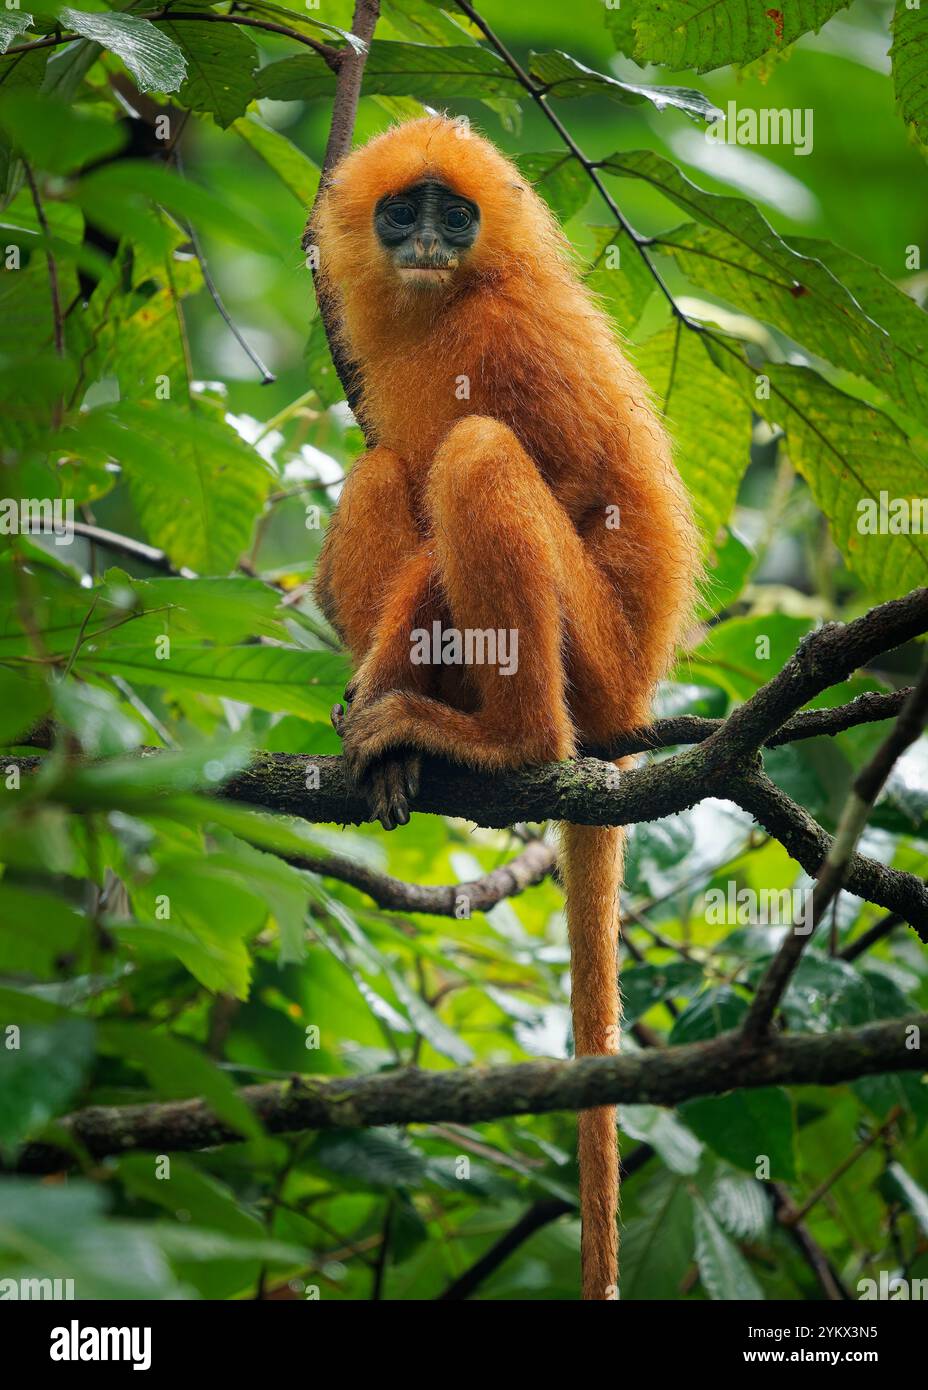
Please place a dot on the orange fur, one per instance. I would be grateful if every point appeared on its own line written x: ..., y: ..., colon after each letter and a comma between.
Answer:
x: 499, y: 511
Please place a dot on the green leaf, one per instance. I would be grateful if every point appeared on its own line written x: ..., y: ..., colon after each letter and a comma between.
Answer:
x: 736, y: 255
x: 678, y: 1147
x: 40, y: 1077
x: 559, y: 179
x: 196, y: 486
x: 96, y: 717
x: 23, y: 701
x: 370, y: 1158
x: 707, y: 418
x: 657, y: 1244
x: 119, y: 196
x: 723, y: 1270
x: 12, y: 24
x: 900, y: 369
x: 647, y: 985
x: 619, y: 277
x: 706, y: 34
x: 826, y: 993
x: 849, y: 454
x: 283, y: 889
x: 742, y: 654
x: 320, y: 369
x: 397, y: 69
x: 741, y: 1205
x: 59, y: 1231
x: 715, y: 1011
x: 154, y: 60
x: 225, y: 610
x: 221, y: 60
x: 55, y: 931
x: 177, y: 1071
x: 746, y: 1127
x: 909, y: 56
x: 296, y: 170
x: 54, y: 136
x: 272, y: 678
x: 563, y: 76
x: 915, y: 1197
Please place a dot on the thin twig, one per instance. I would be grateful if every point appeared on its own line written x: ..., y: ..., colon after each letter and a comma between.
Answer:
x: 57, y: 318
x: 798, y: 1214
x: 538, y: 96
x: 857, y: 809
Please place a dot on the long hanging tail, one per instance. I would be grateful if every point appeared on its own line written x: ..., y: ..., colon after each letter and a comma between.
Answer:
x: 591, y: 868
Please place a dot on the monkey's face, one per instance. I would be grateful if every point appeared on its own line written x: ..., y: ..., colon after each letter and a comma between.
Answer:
x: 426, y: 231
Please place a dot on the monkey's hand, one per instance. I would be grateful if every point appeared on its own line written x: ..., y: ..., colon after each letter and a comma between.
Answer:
x: 388, y: 779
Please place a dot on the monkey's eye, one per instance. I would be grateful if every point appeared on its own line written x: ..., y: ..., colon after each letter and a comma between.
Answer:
x: 457, y: 219
x: 401, y: 214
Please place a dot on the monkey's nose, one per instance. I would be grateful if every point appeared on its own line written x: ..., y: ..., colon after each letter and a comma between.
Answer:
x: 426, y: 243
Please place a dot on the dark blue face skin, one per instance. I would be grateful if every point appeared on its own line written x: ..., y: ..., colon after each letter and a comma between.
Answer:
x: 426, y: 230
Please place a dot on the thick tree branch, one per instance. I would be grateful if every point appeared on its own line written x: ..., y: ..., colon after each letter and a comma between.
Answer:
x: 468, y: 1095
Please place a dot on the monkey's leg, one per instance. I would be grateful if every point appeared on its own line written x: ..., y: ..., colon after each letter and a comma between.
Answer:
x: 373, y: 578
x: 504, y: 550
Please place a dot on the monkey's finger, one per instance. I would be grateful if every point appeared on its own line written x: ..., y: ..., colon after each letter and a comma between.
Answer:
x: 351, y: 689
x: 412, y: 774
x: 393, y: 780
x: 374, y: 782
x: 337, y: 717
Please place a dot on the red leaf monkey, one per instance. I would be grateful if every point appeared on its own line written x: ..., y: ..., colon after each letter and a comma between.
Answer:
x: 518, y: 482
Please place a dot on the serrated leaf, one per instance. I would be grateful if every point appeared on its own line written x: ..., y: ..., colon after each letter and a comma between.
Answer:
x: 707, y: 418
x: 618, y: 276
x: 221, y: 60
x: 196, y: 486
x: 559, y: 179
x: 706, y: 34
x: 733, y: 252
x: 371, y: 1158
x: 723, y: 1270
x: 849, y: 453
x: 909, y: 57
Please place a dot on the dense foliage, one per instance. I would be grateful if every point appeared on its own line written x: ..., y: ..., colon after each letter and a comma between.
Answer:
x: 155, y: 942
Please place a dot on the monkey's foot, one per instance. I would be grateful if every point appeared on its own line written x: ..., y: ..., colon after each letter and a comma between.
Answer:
x: 387, y: 780
x: 389, y: 784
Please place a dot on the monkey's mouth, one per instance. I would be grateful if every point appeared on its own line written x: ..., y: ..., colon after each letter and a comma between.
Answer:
x: 427, y: 273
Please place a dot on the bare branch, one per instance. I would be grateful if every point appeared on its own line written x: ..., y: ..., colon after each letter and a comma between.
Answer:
x: 442, y: 900
x: 469, y: 1095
